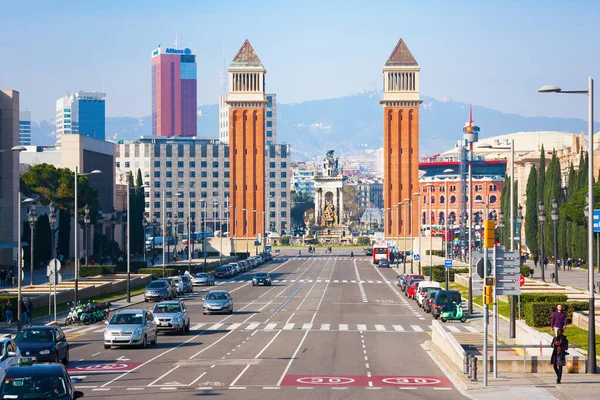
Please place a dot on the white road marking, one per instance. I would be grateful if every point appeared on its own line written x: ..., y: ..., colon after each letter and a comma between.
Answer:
x: 361, y: 327
x: 416, y: 328
x: 442, y: 388
x: 133, y: 388
x: 306, y: 326
x: 271, y: 387
x: 471, y: 329
x: 270, y: 327
x: 198, y: 326
x: 398, y: 328
x: 198, y: 378
x: 201, y: 387
x: 452, y: 328
x: 252, y: 326
x: 98, y: 330
x: 343, y: 327
x: 325, y: 327
x: 215, y: 327
x: 288, y: 327
x: 380, y: 328
x: 336, y: 281
x: 95, y: 354
x: 233, y: 326
x: 163, y: 375
x: 344, y: 281
x: 284, y: 281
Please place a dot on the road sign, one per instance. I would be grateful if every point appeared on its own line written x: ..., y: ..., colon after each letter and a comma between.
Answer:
x: 58, y: 278
x: 416, y: 257
x: 521, y: 281
x: 596, y: 220
x: 53, y: 265
x: 448, y: 263
x: 508, y: 270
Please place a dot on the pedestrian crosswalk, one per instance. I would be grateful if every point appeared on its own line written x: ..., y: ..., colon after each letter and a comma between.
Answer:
x: 290, y: 326
x: 312, y: 281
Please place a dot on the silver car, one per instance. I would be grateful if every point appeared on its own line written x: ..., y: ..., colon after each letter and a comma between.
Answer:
x: 131, y: 328
x: 10, y: 354
x: 217, y: 301
x: 172, y: 316
x: 203, y: 279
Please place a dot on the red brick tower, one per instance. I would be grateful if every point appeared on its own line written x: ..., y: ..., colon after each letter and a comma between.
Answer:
x: 246, y: 99
x: 400, y: 138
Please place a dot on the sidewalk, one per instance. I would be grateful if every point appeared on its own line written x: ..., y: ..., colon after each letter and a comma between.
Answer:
x: 576, y: 278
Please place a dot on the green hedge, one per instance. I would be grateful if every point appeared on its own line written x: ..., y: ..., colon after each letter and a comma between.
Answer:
x: 439, y: 272
x: 539, y: 314
x: 157, y: 272
x: 440, y: 253
x: 550, y: 298
x: 285, y: 240
x: 3, y: 300
x: 525, y: 269
x: 93, y: 270
x: 363, y: 241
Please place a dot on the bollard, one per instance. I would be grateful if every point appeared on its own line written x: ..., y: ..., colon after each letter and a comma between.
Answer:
x: 473, y: 369
x: 466, y: 364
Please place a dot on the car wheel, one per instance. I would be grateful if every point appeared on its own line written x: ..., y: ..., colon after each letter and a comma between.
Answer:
x: 107, y: 347
x: 144, y: 342
x: 155, y: 341
x: 65, y: 360
x: 231, y: 310
x: 187, y: 327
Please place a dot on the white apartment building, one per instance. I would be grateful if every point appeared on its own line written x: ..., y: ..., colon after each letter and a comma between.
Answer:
x: 81, y: 112
x: 303, y: 179
x: 191, y: 175
x: 270, y: 119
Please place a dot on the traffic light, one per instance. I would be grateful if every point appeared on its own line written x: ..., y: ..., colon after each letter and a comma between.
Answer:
x: 488, y: 290
x: 488, y: 234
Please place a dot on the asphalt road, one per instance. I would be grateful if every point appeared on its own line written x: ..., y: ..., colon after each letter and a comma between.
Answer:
x: 328, y: 328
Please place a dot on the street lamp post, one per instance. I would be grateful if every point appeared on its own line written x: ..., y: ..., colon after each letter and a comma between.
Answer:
x: 542, y: 218
x: 501, y: 225
x: 87, y: 219
x: 554, y: 215
x: 204, y: 206
x: 418, y: 195
x: 397, y: 229
x: 52, y: 221
x: 113, y: 224
x: 406, y: 203
x: 591, y: 317
x: 144, y: 225
x: 76, y: 219
x: 100, y: 223
x: 520, y: 220
x: 245, y: 210
x: 412, y: 233
x: 20, y: 256
x: 430, y: 196
x: 32, y: 218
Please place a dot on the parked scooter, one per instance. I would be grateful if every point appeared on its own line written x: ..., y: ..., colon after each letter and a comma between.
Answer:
x: 456, y: 314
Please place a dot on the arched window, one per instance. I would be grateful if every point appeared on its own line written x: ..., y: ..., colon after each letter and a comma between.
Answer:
x: 492, y: 199
x: 452, y: 199
x: 423, y: 220
x: 442, y: 199
x: 442, y: 218
x: 478, y: 197
x: 432, y: 199
x: 491, y: 188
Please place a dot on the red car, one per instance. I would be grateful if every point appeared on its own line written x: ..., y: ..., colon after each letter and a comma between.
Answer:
x: 412, y: 289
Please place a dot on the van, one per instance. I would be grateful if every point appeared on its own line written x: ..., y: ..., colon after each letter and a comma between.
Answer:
x: 444, y: 301
x: 422, y: 288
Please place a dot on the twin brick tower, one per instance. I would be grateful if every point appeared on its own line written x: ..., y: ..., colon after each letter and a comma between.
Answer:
x: 246, y: 99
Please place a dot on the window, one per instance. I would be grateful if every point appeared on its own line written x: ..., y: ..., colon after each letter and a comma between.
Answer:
x: 215, y: 174
x: 192, y: 195
x: 118, y: 165
x: 157, y: 174
x: 203, y: 184
x: 283, y: 195
x: 169, y: 174
x: 283, y: 214
x: 203, y: 195
x: 203, y: 174
x: 180, y: 214
x: 169, y: 204
x: 272, y: 164
x: 442, y: 199
x: 283, y: 164
x: 226, y: 164
x: 269, y: 133
x: 269, y: 114
x: 452, y: 199
x: 157, y: 195
x: 215, y: 164
x: 180, y: 174
x: 269, y: 124
x: 284, y: 204
x: 192, y: 164
x: 271, y: 194
x: 272, y: 214
x: 169, y: 184
x: 179, y: 164
x: 284, y: 174
x: 215, y: 184
x: 478, y: 198
x: 272, y: 174
x: 126, y: 165
x: 272, y: 204
x: 202, y: 164
x: 283, y: 185
x: 192, y: 184
x: 180, y: 204
x: 156, y: 164
x: 272, y: 185
x: 492, y: 199
x: 157, y: 204
x: 192, y: 174
x: 226, y: 174
x: 169, y: 164
x: 226, y: 184
x: 157, y: 184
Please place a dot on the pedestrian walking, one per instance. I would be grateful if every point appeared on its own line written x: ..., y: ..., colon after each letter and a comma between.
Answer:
x: 23, y: 315
x: 29, y: 310
x: 545, y: 263
x: 558, y: 320
x: 536, y: 258
x: 9, y: 313
x: 9, y: 278
x: 352, y: 255
x: 560, y: 345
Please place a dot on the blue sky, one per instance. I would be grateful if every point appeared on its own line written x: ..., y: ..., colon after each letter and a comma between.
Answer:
x: 493, y: 53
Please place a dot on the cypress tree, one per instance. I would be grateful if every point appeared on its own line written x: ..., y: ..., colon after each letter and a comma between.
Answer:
x: 552, y: 190
x: 531, y: 220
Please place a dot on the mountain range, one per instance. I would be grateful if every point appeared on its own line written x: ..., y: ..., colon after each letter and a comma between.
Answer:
x: 350, y: 125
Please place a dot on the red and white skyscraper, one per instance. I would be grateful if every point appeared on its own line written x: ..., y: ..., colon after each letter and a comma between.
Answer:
x: 174, y: 103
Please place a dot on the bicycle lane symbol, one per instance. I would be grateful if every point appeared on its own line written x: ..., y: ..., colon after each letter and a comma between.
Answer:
x: 323, y: 380
x: 103, y: 367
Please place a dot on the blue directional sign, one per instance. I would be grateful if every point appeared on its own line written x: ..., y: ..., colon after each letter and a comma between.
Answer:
x: 596, y: 220
x: 448, y: 263
x: 416, y: 257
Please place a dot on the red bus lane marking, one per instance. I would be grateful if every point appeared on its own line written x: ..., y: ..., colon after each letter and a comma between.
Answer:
x: 323, y: 380
x: 103, y: 367
x: 410, y: 381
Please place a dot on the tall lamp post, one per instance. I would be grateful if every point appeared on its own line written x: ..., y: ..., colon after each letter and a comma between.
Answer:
x: 501, y: 225
x: 100, y: 223
x: 245, y: 210
x: 20, y: 255
x: 554, y: 216
x: 31, y: 218
x: 222, y: 232
x: 418, y: 195
x: 76, y: 219
x: 113, y: 224
x: 397, y: 215
x: 591, y: 317
x: 412, y: 233
x: 430, y: 196
x: 144, y: 225
x: 520, y: 220
x: 542, y: 218
x: 52, y: 221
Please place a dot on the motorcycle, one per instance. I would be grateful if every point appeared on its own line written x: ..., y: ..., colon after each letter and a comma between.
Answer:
x: 456, y: 314
x: 74, y: 316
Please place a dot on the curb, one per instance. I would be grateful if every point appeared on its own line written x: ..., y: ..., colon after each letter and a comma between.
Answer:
x: 457, y: 377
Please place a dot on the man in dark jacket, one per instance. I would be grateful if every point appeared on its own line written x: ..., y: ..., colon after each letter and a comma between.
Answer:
x: 559, y: 319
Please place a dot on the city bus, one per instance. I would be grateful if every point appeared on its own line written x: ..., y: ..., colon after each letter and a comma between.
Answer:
x: 196, y: 237
x: 380, y: 251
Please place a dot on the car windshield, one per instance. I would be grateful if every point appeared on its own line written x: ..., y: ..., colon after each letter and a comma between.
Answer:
x: 35, y: 336
x: 127, y: 319
x: 221, y: 269
x: 156, y: 285
x: 201, y: 275
x: 176, y: 280
x: 216, y: 296
x: 35, y: 387
x: 167, y: 308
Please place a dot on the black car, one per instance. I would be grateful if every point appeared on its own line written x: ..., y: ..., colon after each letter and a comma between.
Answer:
x: 38, y: 381
x: 45, y: 343
x: 262, y: 278
x: 384, y: 262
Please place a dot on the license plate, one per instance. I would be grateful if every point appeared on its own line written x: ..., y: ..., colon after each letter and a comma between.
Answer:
x: 164, y: 324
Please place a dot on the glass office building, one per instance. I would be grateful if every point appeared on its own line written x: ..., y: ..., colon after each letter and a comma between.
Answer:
x: 83, y: 113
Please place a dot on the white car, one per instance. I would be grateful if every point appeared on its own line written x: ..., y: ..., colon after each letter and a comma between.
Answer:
x: 10, y: 354
x: 178, y: 285
x: 422, y: 288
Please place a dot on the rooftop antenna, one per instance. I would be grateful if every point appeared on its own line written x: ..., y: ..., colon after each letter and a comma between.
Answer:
x: 175, y: 44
